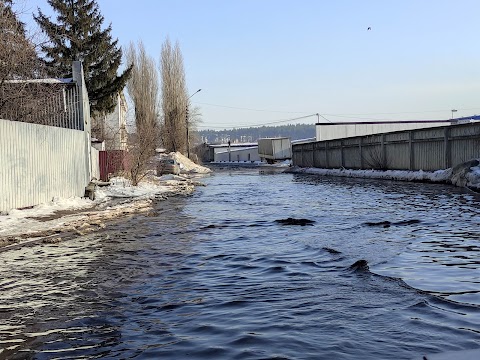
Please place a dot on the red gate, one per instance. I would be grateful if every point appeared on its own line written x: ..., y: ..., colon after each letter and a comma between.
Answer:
x: 111, y: 162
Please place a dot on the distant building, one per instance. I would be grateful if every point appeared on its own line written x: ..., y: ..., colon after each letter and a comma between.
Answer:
x: 246, y: 152
x: 237, y: 154
x: 274, y: 149
x: 112, y: 128
x: 341, y: 130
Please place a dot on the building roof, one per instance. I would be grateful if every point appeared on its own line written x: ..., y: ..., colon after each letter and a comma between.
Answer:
x: 233, y: 145
x: 41, y: 81
x: 473, y: 117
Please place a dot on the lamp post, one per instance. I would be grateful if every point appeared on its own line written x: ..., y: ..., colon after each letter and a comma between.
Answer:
x: 453, y: 111
x: 186, y: 122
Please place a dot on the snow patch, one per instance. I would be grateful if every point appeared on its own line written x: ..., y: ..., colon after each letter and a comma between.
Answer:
x: 187, y: 165
x: 463, y: 175
x: 108, y: 200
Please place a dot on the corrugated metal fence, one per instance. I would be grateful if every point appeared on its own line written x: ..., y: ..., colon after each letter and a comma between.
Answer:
x: 52, y: 157
x: 111, y: 162
x: 38, y: 163
x: 54, y: 104
x: 427, y: 149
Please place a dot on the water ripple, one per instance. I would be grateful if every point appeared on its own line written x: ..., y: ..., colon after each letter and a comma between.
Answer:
x: 218, y: 278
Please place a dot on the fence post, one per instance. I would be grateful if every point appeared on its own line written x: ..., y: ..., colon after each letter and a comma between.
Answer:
x: 326, y: 155
x: 302, y: 156
x: 313, y: 156
x: 446, y: 147
x: 341, y: 152
x: 314, y: 146
x: 84, y: 106
x: 383, y: 151
x: 410, y: 150
x: 360, y: 144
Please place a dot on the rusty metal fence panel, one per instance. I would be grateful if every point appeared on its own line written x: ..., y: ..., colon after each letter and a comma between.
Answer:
x: 111, y: 162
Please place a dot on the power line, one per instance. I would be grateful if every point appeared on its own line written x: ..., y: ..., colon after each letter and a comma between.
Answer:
x: 358, y: 116
x: 346, y: 115
x: 258, y: 125
x: 249, y: 109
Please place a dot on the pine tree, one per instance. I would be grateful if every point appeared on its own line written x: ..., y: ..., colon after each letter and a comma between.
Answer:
x: 77, y: 35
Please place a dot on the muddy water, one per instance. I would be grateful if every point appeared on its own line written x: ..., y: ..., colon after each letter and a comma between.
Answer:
x: 388, y: 270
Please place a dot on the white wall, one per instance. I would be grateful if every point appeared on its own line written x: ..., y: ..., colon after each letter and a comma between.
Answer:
x: 275, y: 148
x: 115, y: 126
x: 94, y: 155
x: 340, y: 131
x: 249, y: 154
x: 221, y: 149
x: 39, y: 162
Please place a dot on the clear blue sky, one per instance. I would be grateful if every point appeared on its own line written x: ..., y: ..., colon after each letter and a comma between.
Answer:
x: 420, y: 59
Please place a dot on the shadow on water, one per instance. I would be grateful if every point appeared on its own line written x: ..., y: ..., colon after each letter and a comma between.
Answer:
x: 216, y: 275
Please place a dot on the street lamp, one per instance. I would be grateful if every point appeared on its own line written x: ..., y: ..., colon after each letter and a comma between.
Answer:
x: 453, y: 111
x: 186, y: 122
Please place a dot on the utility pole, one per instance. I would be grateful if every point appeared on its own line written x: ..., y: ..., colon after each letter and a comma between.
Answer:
x: 453, y: 111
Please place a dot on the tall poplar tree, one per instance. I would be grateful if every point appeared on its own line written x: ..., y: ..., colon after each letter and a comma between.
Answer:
x: 77, y: 35
x: 174, y: 98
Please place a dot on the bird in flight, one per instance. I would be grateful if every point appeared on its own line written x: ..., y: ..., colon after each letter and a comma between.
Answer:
x: 369, y: 28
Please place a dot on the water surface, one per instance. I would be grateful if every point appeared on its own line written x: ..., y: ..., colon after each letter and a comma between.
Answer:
x: 388, y: 270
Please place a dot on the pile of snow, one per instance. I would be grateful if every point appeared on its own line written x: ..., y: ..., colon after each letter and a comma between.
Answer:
x: 437, y: 176
x: 467, y: 175
x: 464, y: 175
x: 187, y: 165
x: 284, y: 163
x: 114, y: 200
x: 122, y: 188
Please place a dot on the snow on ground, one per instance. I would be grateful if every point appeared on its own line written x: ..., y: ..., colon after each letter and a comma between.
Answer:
x: 120, y: 198
x: 82, y: 215
x: 285, y: 163
x: 463, y: 175
x: 437, y: 176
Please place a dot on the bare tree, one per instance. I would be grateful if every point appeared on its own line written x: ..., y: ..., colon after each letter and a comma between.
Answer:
x: 375, y: 157
x: 143, y: 90
x: 174, y: 98
x: 21, y: 96
x: 18, y: 59
x: 194, y: 119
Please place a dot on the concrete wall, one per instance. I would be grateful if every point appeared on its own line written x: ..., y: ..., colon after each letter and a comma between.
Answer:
x: 426, y: 149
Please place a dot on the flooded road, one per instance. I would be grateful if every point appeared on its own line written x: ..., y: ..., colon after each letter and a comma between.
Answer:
x: 387, y: 270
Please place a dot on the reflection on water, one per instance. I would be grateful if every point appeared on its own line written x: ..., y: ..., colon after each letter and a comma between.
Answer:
x: 214, y: 276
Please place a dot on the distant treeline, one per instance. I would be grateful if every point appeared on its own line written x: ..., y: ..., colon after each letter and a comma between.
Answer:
x: 252, y: 134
